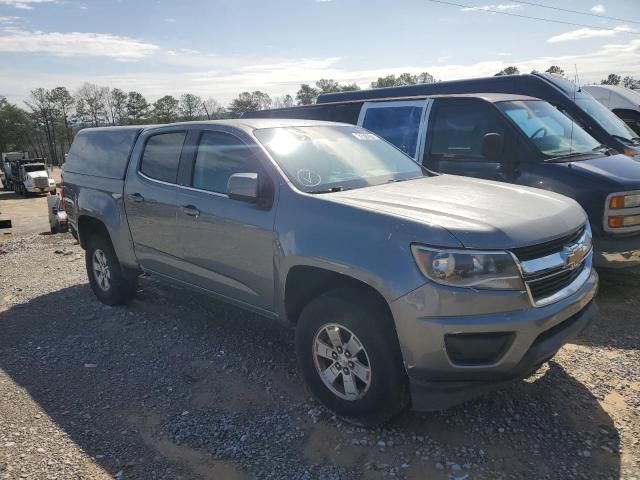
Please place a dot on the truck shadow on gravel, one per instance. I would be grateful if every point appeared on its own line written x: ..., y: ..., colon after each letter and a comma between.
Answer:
x: 178, y: 385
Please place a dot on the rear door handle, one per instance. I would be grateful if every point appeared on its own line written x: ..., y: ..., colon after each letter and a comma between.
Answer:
x: 135, y: 197
x: 191, y: 211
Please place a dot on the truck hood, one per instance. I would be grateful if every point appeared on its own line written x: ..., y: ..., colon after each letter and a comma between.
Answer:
x: 481, y: 214
x: 38, y: 174
x: 618, y: 169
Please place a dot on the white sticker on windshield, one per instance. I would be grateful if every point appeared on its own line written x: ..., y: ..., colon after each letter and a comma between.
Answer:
x: 364, y: 136
x: 308, y: 178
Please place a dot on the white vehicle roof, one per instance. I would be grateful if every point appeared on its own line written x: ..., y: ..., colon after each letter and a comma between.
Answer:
x: 613, y: 96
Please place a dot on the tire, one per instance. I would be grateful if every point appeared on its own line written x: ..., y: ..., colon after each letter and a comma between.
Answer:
x: 54, y: 229
x: 347, y: 312
x: 53, y: 192
x: 120, y: 287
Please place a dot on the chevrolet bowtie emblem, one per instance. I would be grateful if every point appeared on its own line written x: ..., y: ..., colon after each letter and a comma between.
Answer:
x: 574, y: 254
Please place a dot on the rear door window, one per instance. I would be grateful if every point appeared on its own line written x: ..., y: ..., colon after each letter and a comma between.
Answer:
x: 161, y: 156
x: 400, y: 123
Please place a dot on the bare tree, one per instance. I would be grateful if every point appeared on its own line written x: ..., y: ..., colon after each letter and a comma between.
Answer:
x: 117, y: 106
x: 91, y: 104
x: 43, y: 115
x: 213, y: 109
x: 62, y: 101
x: 191, y: 107
x: 284, y: 101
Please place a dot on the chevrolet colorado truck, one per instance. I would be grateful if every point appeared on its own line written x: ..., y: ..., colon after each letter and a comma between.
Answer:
x: 403, y: 287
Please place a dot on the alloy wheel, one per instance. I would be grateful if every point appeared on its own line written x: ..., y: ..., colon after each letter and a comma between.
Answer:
x: 341, y: 361
x: 101, y: 270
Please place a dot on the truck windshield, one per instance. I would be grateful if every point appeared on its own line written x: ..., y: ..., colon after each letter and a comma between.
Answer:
x: 33, y: 168
x: 552, y: 132
x: 320, y: 159
x: 606, y: 118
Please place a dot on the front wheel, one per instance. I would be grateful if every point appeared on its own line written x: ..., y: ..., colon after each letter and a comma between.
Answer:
x: 349, y: 355
x: 109, y: 281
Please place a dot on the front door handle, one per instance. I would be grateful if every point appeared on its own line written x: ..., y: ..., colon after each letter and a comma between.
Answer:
x: 191, y: 211
x: 135, y: 197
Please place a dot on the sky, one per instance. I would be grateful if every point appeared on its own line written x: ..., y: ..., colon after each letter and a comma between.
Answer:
x: 218, y: 48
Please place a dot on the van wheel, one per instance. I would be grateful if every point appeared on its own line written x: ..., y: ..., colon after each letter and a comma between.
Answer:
x: 109, y: 281
x: 350, y: 358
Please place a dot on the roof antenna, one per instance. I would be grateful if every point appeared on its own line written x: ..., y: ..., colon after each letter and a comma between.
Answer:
x: 577, y: 80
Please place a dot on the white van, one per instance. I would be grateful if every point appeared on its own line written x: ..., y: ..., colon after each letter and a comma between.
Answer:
x: 624, y: 102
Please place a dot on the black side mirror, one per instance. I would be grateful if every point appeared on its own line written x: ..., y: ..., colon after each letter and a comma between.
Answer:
x: 492, y: 146
x: 243, y: 187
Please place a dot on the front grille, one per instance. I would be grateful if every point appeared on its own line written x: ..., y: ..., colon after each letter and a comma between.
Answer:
x: 558, y: 263
x: 543, y: 249
x: 41, y: 182
x: 546, y: 286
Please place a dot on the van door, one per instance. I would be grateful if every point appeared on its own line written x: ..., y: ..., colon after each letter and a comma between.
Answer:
x: 227, y: 245
x: 456, y: 130
x: 150, y: 200
x: 399, y: 122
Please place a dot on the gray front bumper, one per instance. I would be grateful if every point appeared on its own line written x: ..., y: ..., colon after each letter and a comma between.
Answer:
x: 436, y: 381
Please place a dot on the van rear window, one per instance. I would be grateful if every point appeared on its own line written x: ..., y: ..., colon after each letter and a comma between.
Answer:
x: 101, y: 152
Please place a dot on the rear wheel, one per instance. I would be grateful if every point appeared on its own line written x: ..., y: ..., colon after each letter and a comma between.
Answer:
x: 112, y: 284
x: 350, y: 358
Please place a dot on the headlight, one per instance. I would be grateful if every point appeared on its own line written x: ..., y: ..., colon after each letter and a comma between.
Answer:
x: 472, y: 269
x: 624, y: 201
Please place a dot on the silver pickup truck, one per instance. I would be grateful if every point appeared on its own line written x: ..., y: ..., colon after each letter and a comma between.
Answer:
x: 404, y: 288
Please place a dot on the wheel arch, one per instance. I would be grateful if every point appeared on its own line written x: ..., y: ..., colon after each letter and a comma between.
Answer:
x: 303, y: 283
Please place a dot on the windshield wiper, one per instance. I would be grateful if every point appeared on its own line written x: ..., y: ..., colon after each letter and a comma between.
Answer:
x: 567, y: 157
x: 632, y: 140
x: 339, y: 188
x: 602, y: 148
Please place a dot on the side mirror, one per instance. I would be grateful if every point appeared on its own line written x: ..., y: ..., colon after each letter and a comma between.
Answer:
x: 243, y: 187
x: 492, y: 146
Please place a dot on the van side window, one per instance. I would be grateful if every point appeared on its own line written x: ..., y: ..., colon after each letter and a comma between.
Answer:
x: 219, y: 156
x: 459, y: 129
x: 630, y: 117
x: 398, y: 124
x: 161, y: 156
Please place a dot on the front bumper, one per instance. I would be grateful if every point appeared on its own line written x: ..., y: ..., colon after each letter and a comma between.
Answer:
x: 40, y: 189
x: 617, y: 252
x: 535, y: 335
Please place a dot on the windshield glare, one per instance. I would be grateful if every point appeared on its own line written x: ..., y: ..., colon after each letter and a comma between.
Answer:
x: 552, y: 132
x: 605, y: 117
x: 321, y: 158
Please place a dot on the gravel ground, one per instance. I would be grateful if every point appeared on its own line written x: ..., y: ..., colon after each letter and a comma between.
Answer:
x: 177, y: 385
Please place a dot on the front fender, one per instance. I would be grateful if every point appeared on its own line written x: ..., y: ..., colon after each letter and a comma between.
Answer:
x: 369, y: 246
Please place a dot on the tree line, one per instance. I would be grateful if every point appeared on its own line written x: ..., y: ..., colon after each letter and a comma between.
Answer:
x: 611, y: 79
x: 46, y: 127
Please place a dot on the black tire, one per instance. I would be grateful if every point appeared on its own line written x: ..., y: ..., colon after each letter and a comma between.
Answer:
x: 369, y: 320
x: 122, y: 285
x: 53, y: 192
x: 54, y: 229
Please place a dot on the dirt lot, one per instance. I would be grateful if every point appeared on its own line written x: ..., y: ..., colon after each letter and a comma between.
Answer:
x: 179, y: 386
x: 28, y: 215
